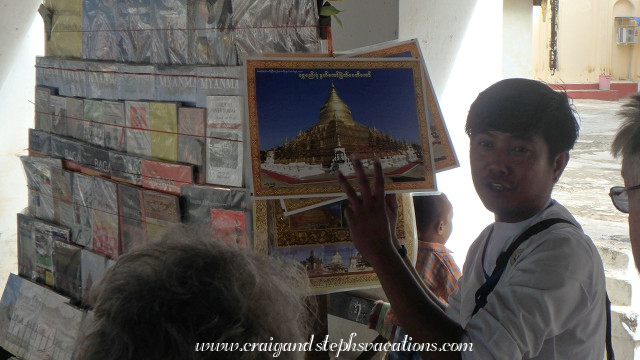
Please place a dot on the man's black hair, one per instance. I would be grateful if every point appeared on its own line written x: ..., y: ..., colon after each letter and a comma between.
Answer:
x: 525, y: 107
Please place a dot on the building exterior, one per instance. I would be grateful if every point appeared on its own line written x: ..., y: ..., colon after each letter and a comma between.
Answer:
x: 576, y: 41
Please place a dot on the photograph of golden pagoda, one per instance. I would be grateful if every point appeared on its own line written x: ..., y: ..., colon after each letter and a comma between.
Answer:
x: 307, y: 117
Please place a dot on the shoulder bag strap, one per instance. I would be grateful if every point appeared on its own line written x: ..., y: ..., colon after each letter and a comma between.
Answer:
x: 501, y: 263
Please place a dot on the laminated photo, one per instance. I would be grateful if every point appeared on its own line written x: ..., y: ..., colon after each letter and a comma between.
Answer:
x: 319, y: 240
x: 442, y: 151
x: 371, y: 107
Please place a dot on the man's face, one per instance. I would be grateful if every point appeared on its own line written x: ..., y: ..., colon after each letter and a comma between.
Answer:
x: 631, y: 176
x: 512, y: 174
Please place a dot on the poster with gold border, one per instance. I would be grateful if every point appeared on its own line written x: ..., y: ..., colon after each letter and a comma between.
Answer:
x: 443, y: 153
x: 308, y: 116
x: 319, y: 239
x: 294, y: 206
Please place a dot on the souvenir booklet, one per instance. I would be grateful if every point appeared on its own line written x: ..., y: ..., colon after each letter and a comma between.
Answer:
x: 40, y: 142
x: 373, y: 107
x: 224, y: 157
x: 44, y: 110
x: 67, y: 279
x: 131, y: 213
x: 83, y: 195
x: 212, y: 39
x: 126, y: 167
x: 26, y: 247
x: 59, y: 120
x: 191, y: 139
x: 163, y: 126
x: 176, y: 83
x: 101, y: 80
x: 229, y: 227
x: 138, y: 135
x: 36, y: 322
x: 166, y: 176
x: 75, y: 118
x: 114, y: 127
x: 199, y: 204
x: 92, y: 267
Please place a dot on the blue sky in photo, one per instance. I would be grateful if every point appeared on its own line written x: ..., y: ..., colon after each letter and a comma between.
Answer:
x: 287, y: 104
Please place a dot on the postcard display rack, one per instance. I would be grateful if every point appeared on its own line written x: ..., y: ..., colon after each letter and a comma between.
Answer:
x: 151, y: 113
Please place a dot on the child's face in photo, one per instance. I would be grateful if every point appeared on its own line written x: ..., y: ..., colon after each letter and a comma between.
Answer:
x: 512, y: 174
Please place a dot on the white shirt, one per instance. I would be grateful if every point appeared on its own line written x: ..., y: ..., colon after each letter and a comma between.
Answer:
x: 549, y: 303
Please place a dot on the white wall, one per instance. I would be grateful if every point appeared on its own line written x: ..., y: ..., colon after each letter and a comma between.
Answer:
x: 517, y: 39
x: 364, y: 22
x: 461, y: 42
x: 16, y: 115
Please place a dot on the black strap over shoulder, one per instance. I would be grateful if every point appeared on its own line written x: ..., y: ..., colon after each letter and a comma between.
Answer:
x: 501, y: 264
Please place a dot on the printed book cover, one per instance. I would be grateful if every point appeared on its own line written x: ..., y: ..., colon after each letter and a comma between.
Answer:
x: 163, y: 125
x: 161, y: 206
x: 59, y: 119
x: 92, y: 266
x: 126, y: 168
x: 67, y: 278
x: 114, y: 128
x: 39, y: 141
x: 44, y: 110
x: 26, y: 247
x: 224, y: 157
x: 138, y: 135
x: 82, y: 203
x: 166, y: 176
x: 229, y: 227
x: 75, y: 118
x: 106, y: 233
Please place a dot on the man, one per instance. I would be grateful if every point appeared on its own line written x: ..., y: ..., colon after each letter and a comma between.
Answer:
x: 549, y: 302
x: 627, y: 144
x: 185, y: 297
